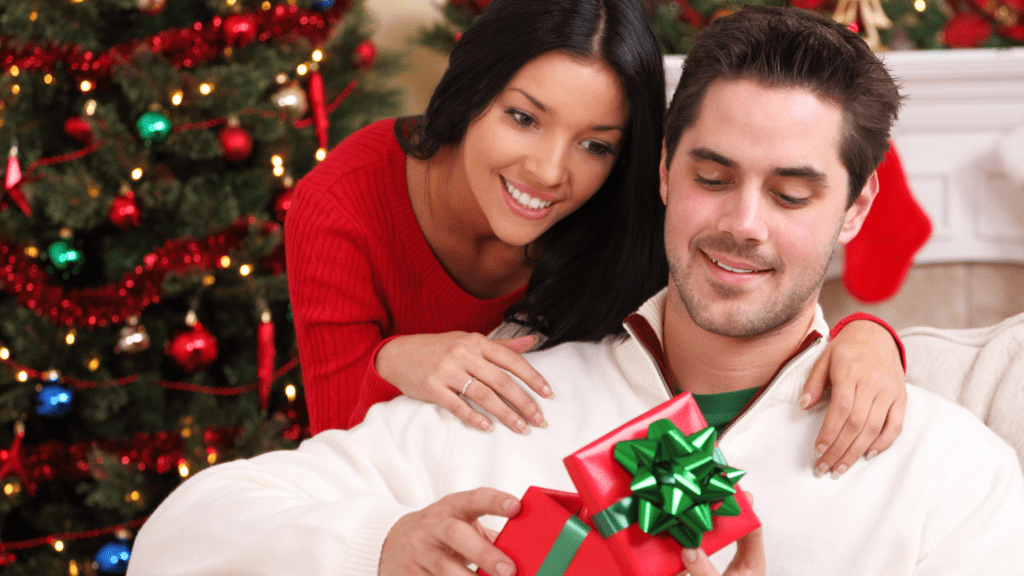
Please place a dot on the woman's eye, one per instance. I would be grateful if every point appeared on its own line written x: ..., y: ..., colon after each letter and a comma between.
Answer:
x: 521, y: 118
x: 597, y: 148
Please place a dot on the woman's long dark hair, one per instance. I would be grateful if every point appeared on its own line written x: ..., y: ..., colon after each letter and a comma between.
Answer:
x: 597, y: 265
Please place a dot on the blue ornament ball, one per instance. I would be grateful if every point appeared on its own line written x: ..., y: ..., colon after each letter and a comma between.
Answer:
x: 113, y: 557
x: 323, y: 5
x: 53, y: 400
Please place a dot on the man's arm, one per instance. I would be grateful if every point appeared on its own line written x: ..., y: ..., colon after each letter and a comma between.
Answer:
x: 325, y: 508
x: 977, y: 526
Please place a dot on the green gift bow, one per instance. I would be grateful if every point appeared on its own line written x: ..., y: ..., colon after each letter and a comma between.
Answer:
x: 677, y: 478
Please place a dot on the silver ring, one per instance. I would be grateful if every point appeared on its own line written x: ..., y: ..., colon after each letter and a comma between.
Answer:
x: 466, y: 385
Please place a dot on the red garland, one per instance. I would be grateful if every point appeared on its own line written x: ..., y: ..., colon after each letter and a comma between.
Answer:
x: 184, y: 48
x: 66, y: 536
x: 89, y: 307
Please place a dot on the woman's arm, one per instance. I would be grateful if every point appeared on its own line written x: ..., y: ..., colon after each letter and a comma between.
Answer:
x: 864, y: 365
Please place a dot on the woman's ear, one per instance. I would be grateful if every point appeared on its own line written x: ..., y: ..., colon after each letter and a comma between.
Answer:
x: 856, y: 213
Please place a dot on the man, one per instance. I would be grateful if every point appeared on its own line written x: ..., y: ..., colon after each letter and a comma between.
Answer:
x: 771, y: 143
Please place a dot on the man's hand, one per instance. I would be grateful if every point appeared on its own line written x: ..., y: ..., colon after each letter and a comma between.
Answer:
x: 444, y: 537
x: 749, y: 559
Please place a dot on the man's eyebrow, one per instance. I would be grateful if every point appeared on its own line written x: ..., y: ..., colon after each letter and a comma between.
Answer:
x: 807, y: 173
x: 543, y: 108
x: 712, y: 156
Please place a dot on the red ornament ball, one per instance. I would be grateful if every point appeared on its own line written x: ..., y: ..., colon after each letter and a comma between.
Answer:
x: 124, y: 212
x: 235, y: 143
x: 239, y: 29
x: 364, y: 55
x: 966, y: 31
x: 79, y: 129
x: 192, y: 350
x: 282, y: 203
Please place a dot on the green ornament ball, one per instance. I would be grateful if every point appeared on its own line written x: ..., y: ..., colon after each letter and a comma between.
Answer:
x: 153, y: 127
x: 63, y: 256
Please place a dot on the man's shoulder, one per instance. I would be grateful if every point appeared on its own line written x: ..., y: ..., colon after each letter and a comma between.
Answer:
x: 934, y: 425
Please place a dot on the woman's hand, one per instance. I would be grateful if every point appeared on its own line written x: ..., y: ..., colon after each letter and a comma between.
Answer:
x: 442, y: 368
x: 869, y: 396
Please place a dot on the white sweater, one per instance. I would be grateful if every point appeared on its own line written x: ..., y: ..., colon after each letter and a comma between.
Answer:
x: 947, y: 498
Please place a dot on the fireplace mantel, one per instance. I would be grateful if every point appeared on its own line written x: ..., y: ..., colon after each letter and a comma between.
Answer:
x: 959, y: 105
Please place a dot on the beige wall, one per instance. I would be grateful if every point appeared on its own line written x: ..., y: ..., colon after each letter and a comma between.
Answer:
x: 397, y: 23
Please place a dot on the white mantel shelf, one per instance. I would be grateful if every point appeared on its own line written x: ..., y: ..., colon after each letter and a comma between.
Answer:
x: 959, y: 105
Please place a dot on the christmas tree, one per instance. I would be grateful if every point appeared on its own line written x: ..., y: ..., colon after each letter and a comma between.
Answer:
x: 904, y: 24
x: 145, y: 332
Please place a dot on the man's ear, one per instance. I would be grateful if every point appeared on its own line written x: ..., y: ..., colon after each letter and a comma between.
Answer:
x: 663, y: 172
x: 856, y: 214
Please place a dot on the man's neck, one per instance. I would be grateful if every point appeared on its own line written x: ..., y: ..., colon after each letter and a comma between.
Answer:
x: 703, y: 362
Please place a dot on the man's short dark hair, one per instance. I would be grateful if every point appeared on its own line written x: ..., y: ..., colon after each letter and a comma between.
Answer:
x: 793, y: 48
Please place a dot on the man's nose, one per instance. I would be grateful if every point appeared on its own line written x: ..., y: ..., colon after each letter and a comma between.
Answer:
x: 744, y: 216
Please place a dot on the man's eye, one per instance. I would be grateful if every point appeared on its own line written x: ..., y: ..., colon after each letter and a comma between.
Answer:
x: 521, y: 118
x: 710, y: 183
x: 793, y: 201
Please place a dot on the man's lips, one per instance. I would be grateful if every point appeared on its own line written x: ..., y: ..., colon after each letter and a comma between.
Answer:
x: 736, y: 266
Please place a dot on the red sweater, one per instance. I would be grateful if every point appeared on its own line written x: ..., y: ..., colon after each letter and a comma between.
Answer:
x: 360, y: 271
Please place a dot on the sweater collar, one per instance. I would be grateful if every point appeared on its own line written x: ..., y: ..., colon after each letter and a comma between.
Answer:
x: 645, y: 326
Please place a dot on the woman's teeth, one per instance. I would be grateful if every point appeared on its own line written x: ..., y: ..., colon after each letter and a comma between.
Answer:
x: 525, y: 199
x: 730, y: 268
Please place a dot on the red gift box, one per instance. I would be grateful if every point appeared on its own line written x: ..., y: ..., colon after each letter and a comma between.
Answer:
x: 544, y: 539
x: 602, y: 482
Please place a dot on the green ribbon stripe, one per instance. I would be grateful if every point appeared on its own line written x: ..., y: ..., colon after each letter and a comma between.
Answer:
x: 564, y: 549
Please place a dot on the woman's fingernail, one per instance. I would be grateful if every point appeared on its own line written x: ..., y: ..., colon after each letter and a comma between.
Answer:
x: 538, y: 419
x: 805, y: 401
x: 505, y: 569
x: 546, y: 391
x: 871, y: 455
x: 484, y: 424
x: 510, y: 505
x: 820, y: 449
x: 820, y: 470
x: 689, y: 555
x: 838, y: 471
x: 522, y: 427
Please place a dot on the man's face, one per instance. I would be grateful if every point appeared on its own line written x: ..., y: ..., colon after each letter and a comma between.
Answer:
x: 756, y: 202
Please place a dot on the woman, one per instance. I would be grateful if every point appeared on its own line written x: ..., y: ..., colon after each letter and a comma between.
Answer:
x: 527, y: 191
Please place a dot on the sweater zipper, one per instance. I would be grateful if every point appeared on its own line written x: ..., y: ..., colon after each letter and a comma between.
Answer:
x: 650, y: 356
x: 765, y: 391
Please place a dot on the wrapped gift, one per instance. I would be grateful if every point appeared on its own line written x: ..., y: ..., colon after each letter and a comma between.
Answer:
x: 552, y: 537
x: 658, y: 483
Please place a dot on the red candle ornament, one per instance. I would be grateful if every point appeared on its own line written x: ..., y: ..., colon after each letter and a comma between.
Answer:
x: 265, y: 353
x: 316, y: 100
x: 12, y: 181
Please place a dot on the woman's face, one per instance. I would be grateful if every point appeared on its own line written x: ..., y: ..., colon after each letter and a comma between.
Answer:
x: 545, y: 145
